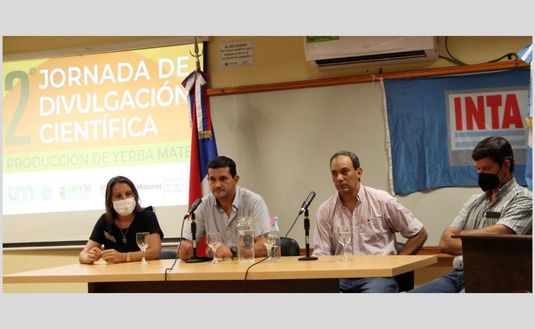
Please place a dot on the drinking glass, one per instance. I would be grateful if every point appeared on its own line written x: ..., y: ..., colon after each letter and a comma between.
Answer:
x: 214, y: 241
x: 343, y: 234
x: 142, y: 240
x: 270, y: 241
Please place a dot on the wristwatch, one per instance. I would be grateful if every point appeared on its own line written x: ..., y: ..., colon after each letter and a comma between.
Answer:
x: 128, y: 257
x: 234, y: 251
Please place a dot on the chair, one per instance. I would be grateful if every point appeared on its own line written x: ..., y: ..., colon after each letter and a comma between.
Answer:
x: 168, y: 252
x: 289, y: 247
x: 405, y: 280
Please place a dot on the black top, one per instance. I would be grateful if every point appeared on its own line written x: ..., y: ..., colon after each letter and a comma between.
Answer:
x: 112, y: 237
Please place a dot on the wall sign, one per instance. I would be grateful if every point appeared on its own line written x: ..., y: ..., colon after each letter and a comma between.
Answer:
x: 236, y: 53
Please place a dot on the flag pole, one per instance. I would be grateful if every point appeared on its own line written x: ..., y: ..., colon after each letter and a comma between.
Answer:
x: 203, y: 144
x: 196, y: 55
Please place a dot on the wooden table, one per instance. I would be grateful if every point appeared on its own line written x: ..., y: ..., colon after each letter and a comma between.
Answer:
x: 286, y: 275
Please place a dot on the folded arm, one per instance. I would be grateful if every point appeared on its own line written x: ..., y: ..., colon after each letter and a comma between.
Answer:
x: 453, y: 246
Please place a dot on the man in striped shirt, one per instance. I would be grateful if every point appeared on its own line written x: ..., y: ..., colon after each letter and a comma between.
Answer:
x: 373, y: 216
x: 504, y: 207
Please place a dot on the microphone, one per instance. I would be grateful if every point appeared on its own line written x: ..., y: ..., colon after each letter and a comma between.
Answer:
x: 307, y: 202
x: 193, y: 207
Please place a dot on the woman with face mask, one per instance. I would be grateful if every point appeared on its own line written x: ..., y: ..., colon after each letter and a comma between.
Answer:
x: 114, y: 236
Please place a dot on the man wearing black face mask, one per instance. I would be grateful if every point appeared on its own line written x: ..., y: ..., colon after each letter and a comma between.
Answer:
x: 504, y: 207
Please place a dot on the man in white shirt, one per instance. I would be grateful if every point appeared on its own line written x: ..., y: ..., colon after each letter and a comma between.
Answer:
x: 374, y: 217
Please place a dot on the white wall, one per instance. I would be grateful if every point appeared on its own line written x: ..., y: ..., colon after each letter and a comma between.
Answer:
x: 282, y: 142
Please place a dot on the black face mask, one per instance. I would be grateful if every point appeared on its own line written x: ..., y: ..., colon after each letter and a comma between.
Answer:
x: 488, y: 181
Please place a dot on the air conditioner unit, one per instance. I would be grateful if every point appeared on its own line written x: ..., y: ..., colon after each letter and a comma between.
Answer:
x: 345, y: 51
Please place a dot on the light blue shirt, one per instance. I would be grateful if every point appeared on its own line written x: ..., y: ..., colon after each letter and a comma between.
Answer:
x: 210, y: 217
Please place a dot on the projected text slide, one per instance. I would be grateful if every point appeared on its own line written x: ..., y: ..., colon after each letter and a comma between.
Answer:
x: 71, y: 123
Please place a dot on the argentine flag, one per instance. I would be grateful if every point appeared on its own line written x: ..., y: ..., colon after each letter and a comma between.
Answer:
x: 526, y: 54
x: 203, y: 143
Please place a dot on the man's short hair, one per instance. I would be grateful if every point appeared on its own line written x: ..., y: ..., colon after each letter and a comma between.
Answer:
x: 497, y: 149
x: 354, y: 158
x: 223, y: 162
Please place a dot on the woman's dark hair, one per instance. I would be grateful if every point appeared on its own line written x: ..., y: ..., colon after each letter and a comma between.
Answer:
x: 111, y: 214
x: 497, y: 149
x: 223, y: 162
x: 354, y: 158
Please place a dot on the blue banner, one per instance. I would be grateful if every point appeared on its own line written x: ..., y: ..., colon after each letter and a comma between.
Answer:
x: 435, y: 123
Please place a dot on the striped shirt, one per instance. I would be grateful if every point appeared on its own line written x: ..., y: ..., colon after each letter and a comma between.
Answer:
x: 374, y: 223
x: 512, y: 207
x: 210, y: 217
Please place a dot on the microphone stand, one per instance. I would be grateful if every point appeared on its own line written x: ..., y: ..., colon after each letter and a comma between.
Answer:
x: 194, y: 258
x: 307, y: 243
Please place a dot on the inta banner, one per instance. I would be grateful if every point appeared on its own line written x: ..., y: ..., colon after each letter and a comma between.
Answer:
x: 434, y: 123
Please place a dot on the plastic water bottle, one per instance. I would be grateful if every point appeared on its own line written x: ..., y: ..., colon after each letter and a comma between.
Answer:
x: 275, y: 224
x: 277, y: 246
x: 245, y: 240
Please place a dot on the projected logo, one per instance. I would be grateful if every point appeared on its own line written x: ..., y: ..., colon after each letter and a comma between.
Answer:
x: 20, y: 193
x: 474, y: 115
x: 174, y: 185
x: 46, y: 192
x: 75, y: 192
